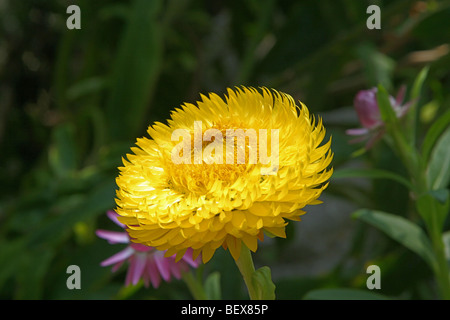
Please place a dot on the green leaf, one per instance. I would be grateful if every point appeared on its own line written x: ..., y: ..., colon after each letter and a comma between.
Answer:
x: 437, y: 201
x: 384, y: 104
x: 377, y: 66
x: 11, y: 260
x: 343, y: 294
x: 31, y: 273
x: 446, y: 241
x: 435, y: 131
x: 126, y: 292
x: 441, y: 195
x: 86, y: 206
x: 85, y: 87
x: 62, y: 153
x: 135, y: 70
x: 371, y: 173
x: 212, y: 286
x: 412, y: 114
x: 438, y: 171
x: 262, y: 281
x: 418, y: 83
x: 402, y: 230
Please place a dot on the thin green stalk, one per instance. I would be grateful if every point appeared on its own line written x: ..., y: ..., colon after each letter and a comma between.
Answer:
x: 411, y: 160
x: 442, y: 272
x: 195, y: 287
x: 416, y: 170
x: 247, y: 269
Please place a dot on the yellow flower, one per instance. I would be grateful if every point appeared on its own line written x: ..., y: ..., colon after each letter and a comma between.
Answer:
x: 194, y: 184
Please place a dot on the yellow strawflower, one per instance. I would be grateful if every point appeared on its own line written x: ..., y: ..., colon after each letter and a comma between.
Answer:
x: 223, y: 172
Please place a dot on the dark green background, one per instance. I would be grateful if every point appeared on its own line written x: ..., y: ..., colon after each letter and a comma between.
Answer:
x: 72, y: 103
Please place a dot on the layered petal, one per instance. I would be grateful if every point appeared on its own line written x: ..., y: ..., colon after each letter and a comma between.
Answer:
x: 270, y: 161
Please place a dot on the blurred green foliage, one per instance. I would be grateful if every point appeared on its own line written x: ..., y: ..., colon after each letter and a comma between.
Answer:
x: 72, y: 103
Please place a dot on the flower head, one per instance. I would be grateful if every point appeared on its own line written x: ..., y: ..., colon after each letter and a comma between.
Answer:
x: 174, y: 197
x: 366, y: 107
x: 144, y: 262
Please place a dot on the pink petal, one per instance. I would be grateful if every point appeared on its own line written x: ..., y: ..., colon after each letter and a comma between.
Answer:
x: 400, y: 95
x: 358, y: 140
x: 128, y: 276
x: 405, y: 108
x: 365, y: 103
x: 178, y: 267
x: 146, y: 277
x: 113, y: 216
x: 136, y: 269
x: 118, y: 257
x: 117, y: 266
x: 163, y: 265
x: 113, y: 237
x: 140, y: 247
x: 153, y: 273
x: 357, y: 131
x: 374, y: 139
x: 188, y: 258
x: 175, y: 268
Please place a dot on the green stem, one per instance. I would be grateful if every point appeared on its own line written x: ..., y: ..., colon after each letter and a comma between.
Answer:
x: 411, y: 160
x: 416, y: 170
x: 195, y: 287
x: 442, y: 272
x: 247, y: 269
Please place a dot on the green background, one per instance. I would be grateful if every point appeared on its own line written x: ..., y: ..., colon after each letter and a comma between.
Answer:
x: 72, y: 103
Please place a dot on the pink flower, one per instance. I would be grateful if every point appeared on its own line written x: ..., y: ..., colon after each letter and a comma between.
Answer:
x: 369, y: 115
x: 144, y: 262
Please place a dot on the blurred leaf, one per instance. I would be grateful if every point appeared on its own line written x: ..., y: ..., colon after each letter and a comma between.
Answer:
x: 290, y: 287
x: 30, y: 275
x: 63, y: 154
x: 418, y: 83
x: 126, y: 292
x: 62, y: 61
x: 435, y: 131
x: 135, y: 70
x: 262, y: 281
x: 265, y: 13
x: 446, y: 241
x: 343, y: 294
x: 371, y: 173
x: 429, y: 32
x: 402, y: 230
x: 441, y: 195
x: 438, y: 171
x: 212, y: 286
x: 10, y: 257
x: 231, y: 282
x: 412, y: 114
x: 85, y: 87
x: 384, y: 104
x: 377, y: 66
x: 437, y: 201
x: 114, y: 10
x: 87, y: 206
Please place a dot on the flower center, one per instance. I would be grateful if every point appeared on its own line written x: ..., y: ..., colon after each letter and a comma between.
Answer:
x: 219, y: 153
